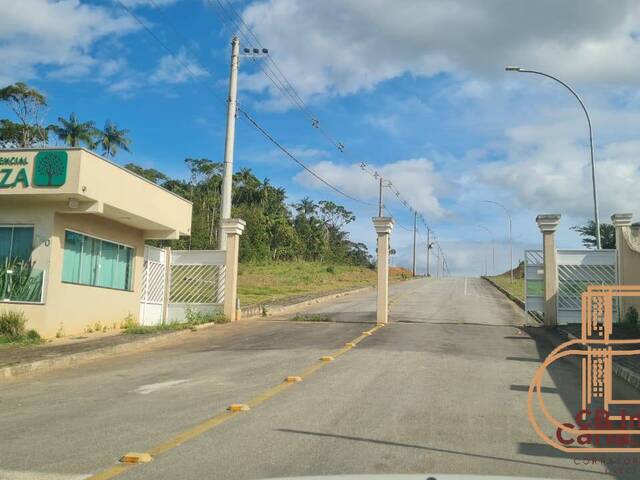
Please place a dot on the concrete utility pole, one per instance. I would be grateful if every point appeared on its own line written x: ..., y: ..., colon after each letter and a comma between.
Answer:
x: 380, y: 199
x: 510, y: 234
x: 438, y: 262
x: 415, y: 228
x: 428, y: 251
x: 227, y: 176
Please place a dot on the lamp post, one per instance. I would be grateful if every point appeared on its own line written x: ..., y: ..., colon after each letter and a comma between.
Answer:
x: 510, y: 234
x: 593, y: 165
x: 493, y: 249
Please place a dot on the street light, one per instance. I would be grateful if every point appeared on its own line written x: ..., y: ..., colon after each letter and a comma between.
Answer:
x: 493, y: 248
x: 510, y: 234
x: 593, y: 165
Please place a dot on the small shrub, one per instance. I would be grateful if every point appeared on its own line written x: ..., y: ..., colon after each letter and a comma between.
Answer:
x: 12, y: 324
x: 60, y: 332
x: 311, y: 318
x: 264, y: 310
x: 33, y: 336
x: 331, y: 269
x: 128, y: 322
x: 631, y: 317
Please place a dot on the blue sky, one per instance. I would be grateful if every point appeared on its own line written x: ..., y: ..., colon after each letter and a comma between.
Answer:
x: 416, y: 89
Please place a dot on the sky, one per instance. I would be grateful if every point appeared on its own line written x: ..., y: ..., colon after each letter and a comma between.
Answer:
x: 416, y: 89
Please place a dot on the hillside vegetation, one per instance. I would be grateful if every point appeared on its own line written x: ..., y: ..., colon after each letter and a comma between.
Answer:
x: 266, y: 283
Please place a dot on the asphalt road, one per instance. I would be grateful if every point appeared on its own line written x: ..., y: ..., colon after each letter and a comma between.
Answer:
x: 441, y: 389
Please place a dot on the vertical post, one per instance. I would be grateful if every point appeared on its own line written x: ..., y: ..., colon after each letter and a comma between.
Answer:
x: 167, y: 285
x: 510, y: 248
x: 227, y: 177
x: 380, y: 200
x: 548, y: 224
x: 383, y: 227
x: 232, y: 228
x: 415, y: 227
x: 438, y: 262
x: 428, y: 251
x: 620, y: 221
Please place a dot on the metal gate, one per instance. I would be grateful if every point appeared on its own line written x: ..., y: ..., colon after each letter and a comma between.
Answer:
x: 176, y: 281
x: 153, y: 285
x: 576, y: 270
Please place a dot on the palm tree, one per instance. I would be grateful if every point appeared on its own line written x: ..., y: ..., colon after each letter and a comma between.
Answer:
x: 75, y: 133
x: 111, y: 139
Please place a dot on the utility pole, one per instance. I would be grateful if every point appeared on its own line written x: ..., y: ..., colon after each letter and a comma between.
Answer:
x: 227, y: 177
x: 438, y: 262
x: 415, y: 228
x: 428, y: 250
x: 380, y: 199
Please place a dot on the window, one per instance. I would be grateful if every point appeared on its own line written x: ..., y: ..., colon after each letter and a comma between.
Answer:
x: 95, y: 262
x: 16, y: 243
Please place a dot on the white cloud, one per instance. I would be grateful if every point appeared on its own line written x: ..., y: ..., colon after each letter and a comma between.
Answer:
x: 416, y: 179
x: 148, y: 3
x: 177, y: 69
x: 337, y: 47
x: 58, y: 35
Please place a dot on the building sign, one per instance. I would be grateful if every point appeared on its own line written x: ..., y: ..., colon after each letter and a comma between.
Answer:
x: 49, y: 170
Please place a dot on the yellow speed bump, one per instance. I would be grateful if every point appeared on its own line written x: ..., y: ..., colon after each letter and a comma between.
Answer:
x: 136, y: 458
x: 238, y: 407
x: 293, y: 379
x: 327, y: 358
x: 367, y: 333
x: 380, y: 324
x: 350, y: 344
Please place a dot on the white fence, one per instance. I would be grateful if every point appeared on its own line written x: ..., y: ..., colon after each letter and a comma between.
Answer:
x: 174, y: 281
x: 576, y: 270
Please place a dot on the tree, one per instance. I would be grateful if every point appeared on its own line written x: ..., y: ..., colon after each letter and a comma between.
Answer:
x: 75, y: 133
x: 150, y: 174
x: 588, y: 234
x: 111, y: 139
x: 28, y: 104
x: 12, y: 134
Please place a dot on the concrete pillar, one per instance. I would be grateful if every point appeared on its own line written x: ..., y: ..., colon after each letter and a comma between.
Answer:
x: 232, y: 229
x: 548, y: 224
x: 383, y: 226
x: 620, y: 221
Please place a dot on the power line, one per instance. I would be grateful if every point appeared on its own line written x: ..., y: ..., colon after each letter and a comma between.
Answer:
x: 268, y: 136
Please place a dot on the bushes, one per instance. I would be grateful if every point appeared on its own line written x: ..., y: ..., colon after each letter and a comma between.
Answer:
x: 192, y: 319
x: 12, y: 328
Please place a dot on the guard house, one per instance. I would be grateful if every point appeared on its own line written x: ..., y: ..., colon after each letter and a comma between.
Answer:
x: 72, y: 232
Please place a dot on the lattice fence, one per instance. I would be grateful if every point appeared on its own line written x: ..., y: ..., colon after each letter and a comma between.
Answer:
x: 153, y: 282
x: 197, y: 284
x: 574, y: 279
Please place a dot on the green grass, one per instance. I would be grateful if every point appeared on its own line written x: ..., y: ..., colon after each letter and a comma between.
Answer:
x: 192, y: 319
x: 266, y: 283
x: 516, y: 288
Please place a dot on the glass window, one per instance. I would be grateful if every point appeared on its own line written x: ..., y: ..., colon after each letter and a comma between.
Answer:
x: 16, y: 243
x: 95, y: 262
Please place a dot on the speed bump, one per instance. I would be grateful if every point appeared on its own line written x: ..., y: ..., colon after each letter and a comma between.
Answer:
x: 293, y: 379
x: 238, y: 407
x: 327, y: 358
x: 133, y: 457
x: 350, y: 344
x: 367, y: 333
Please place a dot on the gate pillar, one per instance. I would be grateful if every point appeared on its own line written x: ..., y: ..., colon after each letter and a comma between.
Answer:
x: 232, y: 228
x: 547, y: 223
x: 383, y: 226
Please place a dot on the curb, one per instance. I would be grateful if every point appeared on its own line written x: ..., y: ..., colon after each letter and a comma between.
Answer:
x: 515, y: 300
x: 257, y: 310
x: 46, y: 365
x: 624, y: 373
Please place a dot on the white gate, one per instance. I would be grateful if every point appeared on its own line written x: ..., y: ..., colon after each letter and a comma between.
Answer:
x: 153, y: 285
x: 576, y: 270
x: 175, y: 281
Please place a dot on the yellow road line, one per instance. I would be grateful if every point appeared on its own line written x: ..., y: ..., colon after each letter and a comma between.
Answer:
x: 223, y: 417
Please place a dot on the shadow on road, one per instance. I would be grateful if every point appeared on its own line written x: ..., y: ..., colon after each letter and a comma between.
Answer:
x: 431, y: 449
